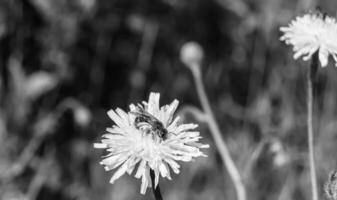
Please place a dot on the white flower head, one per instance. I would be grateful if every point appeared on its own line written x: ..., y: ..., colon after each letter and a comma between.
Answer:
x: 311, y: 33
x: 137, y: 148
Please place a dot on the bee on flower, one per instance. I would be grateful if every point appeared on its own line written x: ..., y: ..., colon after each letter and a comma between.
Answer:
x: 146, y: 138
x: 310, y: 33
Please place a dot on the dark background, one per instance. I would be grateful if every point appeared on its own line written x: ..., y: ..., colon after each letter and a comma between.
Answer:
x: 65, y: 63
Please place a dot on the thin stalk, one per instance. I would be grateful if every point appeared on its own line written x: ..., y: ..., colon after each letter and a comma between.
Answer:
x: 216, y: 134
x: 155, y: 190
x: 310, y: 76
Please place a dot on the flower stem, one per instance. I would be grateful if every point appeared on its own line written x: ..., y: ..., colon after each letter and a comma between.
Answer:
x: 216, y: 134
x: 155, y: 190
x: 310, y: 76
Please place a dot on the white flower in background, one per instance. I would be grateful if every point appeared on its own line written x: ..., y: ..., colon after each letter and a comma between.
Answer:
x: 311, y: 33
x: 130, y: 147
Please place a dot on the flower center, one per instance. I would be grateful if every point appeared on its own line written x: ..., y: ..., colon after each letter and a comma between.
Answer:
x: 149, y: 146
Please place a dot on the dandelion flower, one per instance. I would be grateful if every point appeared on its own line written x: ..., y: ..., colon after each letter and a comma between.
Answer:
x: 137, y: 148
x: 311, y: 33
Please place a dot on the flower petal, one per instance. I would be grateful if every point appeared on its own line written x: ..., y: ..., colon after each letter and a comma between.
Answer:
x: 323, y: 57
x: 120, y: 172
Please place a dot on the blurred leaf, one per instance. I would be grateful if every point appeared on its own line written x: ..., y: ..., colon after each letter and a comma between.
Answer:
x: 39, y: 83
x: 82, y: 116
x: 45, y: 124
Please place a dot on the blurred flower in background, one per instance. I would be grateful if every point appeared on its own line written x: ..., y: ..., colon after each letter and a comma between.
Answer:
x: 311, y: 33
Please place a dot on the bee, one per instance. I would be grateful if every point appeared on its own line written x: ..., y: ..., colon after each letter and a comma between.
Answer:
x: 146, y: 121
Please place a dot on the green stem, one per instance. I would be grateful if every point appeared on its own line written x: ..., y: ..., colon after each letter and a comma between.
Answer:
x: 310, y: 76
x: 155, y: 190
x: 216, y: 134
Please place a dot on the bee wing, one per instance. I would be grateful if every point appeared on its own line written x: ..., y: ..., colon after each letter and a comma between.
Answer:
x: 142, y: 112
x: 139, y: 114
x: 143, y: 115
x: 153, y: 118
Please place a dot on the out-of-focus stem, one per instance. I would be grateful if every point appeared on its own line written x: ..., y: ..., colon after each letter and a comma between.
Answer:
x: 155, y: 190
x: 216, y: 134
x: 310, y: 75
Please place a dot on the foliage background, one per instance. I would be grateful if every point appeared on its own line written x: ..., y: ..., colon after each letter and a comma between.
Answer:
x: 64, y: 63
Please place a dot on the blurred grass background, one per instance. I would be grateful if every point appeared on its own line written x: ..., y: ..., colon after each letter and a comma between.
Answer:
x: 64, y: 63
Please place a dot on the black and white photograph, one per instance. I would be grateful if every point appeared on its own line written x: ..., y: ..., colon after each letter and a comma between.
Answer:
x: 168, y: 100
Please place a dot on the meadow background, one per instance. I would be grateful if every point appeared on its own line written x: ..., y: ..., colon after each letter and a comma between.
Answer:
x: 65, y: 63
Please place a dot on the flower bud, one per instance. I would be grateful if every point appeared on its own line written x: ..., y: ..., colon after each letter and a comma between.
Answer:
x: 191, y: 54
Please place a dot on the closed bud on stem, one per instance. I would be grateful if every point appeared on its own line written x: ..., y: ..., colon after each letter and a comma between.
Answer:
x: 191, y: 54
